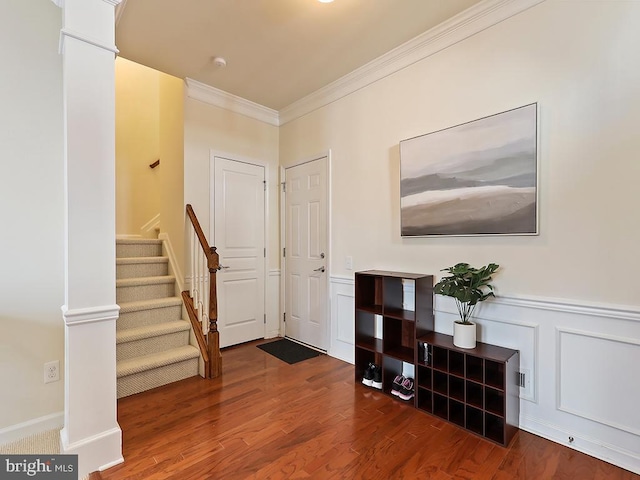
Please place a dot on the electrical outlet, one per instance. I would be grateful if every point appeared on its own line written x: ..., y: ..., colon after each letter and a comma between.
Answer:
x: 52, y: 371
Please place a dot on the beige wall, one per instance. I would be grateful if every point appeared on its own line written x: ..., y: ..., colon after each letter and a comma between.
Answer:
x: 137, y: 146
x: 210, y: 128
x: 171, y: 170
x: 581, y: 65
x: 32, y: 212
x: 149, y: 126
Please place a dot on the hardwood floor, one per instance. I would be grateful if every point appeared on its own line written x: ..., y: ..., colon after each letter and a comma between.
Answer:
x: 265, y: 419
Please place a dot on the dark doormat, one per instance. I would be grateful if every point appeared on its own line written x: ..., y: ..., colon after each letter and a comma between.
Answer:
x: 288, y: 351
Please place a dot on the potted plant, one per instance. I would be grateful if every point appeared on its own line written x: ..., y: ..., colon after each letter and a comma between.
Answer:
x: 468, y: 286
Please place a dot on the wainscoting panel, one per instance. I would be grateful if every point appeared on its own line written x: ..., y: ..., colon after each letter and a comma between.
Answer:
x: 597, y: 379
x: 580, y: 361
x: 341, y: 344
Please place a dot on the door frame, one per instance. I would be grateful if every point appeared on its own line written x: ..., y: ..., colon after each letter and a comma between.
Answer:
x: 283, y: 240
x: 212, y: 213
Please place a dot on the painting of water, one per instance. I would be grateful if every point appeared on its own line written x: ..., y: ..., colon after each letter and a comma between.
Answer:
x: 477, y: 178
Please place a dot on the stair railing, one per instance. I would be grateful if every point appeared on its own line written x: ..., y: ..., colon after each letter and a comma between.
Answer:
x: 201, y: 299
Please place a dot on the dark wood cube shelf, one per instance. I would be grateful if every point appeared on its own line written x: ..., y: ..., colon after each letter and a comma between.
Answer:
x: 473, y: 388
x: 381, y: 293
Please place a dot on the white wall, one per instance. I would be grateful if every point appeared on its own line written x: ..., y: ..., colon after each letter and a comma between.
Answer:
x: 210, y: 128
x: 32, y: 213
x: 579, y: 61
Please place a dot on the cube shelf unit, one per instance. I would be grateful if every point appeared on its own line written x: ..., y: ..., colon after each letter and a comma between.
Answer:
x: 473, y: 388
x: 381, y: 293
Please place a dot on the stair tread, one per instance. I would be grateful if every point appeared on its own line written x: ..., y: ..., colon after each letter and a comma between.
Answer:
x: 155, y: 360
x: 138, y: 305
x: 136, y: 260
x: 138, y: 241
x: 136, y: 281
x: 150, y: 331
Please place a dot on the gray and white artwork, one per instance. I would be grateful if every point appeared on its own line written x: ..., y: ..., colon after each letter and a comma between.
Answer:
x: 478, y: 178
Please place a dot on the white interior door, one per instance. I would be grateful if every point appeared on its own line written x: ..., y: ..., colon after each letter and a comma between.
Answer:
x: 238, y: 233
x: 306, y: 256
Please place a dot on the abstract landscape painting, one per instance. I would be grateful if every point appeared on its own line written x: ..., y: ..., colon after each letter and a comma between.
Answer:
x: 478, y: 178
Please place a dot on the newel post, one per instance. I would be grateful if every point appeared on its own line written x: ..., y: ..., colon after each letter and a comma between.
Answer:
x: 213, y: 337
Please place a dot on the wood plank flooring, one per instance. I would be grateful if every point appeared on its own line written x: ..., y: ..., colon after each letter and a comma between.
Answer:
x: 265, y: 419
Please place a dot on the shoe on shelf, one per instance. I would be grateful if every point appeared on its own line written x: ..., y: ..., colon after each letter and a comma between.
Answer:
x: 377, y: 377
x: 406, y: 389
x: 397, y: 385
x: 367, y: 377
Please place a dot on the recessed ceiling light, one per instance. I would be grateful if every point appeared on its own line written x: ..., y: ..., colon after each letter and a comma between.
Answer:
x: 325, y: 1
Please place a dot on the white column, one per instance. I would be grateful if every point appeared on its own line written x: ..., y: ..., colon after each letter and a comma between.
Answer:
x: 90, y: 311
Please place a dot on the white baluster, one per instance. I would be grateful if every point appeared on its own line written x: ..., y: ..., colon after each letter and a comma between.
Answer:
x: 193, y: 249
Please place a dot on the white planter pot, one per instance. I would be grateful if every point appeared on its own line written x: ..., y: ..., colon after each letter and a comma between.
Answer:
x: 464, y: 335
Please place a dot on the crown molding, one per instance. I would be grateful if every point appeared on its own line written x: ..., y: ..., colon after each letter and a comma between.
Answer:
x: 228, y: 101
x: 467, y: 23
x: 60, y: 3
x: 120, y: 10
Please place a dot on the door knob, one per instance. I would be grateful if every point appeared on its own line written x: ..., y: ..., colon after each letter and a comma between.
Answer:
x: 220, y: 267
x: 321, y: 269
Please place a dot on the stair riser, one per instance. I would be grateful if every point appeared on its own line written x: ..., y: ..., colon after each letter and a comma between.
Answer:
x: 138, y: 270
x: 126, y: 250
x: 140, y: 382
x: 147, y: 346
x: 144, y: 292
x: 142, y: 318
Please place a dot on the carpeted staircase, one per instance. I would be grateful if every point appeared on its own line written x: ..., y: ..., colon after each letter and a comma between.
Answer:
x: 152, y: 338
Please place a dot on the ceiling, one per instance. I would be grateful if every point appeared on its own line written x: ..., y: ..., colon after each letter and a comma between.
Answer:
x: 277, y: 51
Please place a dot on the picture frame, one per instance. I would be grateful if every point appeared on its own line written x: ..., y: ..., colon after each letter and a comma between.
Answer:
x: 475, y: 178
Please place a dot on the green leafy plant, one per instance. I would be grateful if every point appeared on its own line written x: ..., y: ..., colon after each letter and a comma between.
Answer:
x: 468, y: 286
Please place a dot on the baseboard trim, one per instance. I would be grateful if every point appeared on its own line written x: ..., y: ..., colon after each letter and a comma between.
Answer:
x: 97, y: 452
x: 173, y: 262
x: 151, y: 225
x: 585, y: 444
x: 30, y: 427
x: 111, y: 464
x: 340, y: 355
x: 127, y: 236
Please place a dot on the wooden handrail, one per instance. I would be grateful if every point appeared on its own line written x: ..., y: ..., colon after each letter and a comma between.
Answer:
x: 214, y: 367
x: 210, y: 252
x: 197, y: 329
